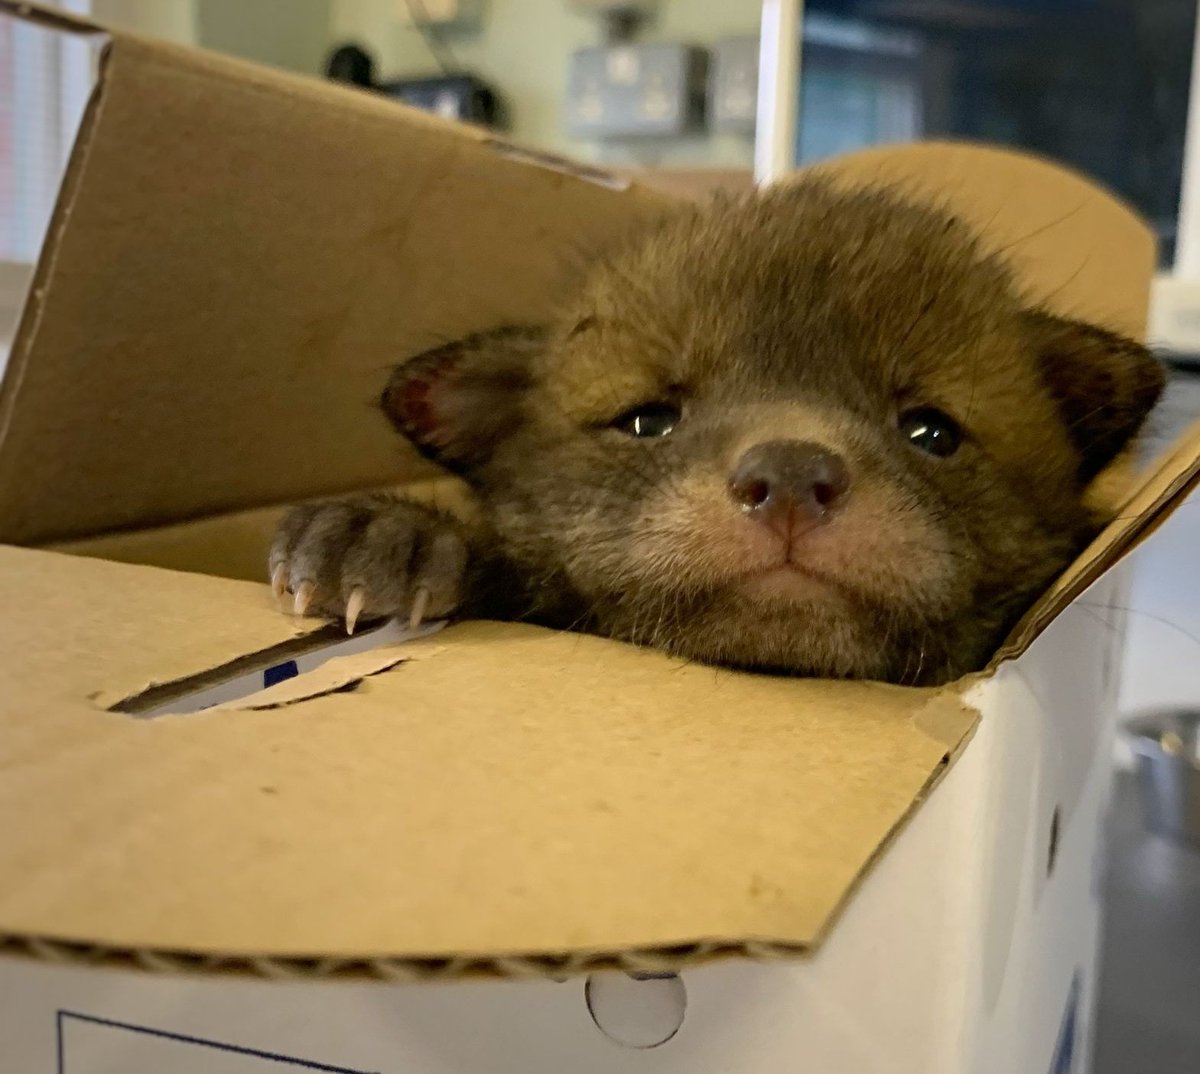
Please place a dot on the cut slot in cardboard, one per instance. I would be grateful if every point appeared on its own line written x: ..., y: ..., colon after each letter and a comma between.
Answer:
x: 236, y: 258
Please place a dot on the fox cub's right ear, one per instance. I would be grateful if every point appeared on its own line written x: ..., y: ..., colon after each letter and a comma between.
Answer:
x: 1104, y: 384
x: 458, y: 401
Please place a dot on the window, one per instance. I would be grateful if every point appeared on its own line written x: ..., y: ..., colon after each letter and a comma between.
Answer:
x: 1100, y: 87
x: 45, y: 78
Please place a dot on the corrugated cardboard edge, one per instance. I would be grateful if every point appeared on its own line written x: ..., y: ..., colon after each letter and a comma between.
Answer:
x: 641, y: 961
x: 934, y: 719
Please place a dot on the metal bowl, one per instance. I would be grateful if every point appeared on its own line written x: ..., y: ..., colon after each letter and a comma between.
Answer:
x: 1166, y: 744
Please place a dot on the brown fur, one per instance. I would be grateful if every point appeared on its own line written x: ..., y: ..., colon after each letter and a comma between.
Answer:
x: 799, y: 314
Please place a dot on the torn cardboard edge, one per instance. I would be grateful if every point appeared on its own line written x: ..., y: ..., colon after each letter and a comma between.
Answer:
x: 337, y: 670
x: 341, y: 674
x: 157, y: 695
x: 313, y: 664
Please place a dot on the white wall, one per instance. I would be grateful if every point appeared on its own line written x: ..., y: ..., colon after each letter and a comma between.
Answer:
x: 294, y: 34
x: 14, y: 283
x: 174, y: 20
x: 523, y: 47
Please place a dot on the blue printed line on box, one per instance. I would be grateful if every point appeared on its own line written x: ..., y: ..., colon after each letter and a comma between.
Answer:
x: 280, y: 673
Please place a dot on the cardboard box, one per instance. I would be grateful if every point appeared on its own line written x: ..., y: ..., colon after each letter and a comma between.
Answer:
x: 332, y: 873
x: 693, y: 184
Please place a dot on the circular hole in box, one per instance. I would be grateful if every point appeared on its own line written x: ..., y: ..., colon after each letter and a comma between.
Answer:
x: 644, y: 1011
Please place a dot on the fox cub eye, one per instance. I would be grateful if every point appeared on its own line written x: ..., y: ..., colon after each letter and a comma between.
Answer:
x: 649, y: 420
x: 931, y: 431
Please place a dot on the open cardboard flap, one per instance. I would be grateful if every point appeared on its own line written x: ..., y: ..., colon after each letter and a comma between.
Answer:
x: 501, y: 791
x: 225, y: 238
x: 236, y: 258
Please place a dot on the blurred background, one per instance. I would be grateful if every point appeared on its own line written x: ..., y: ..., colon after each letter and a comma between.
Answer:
x: 1099, y: 84
x: 670, y: 90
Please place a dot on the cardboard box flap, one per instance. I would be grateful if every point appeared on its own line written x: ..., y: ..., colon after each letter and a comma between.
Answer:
x: 1073, y: 247
x: 1164, y: 488
x: 203, y: 623
x: 465, y: 807
x: 228, y: 275
x: 214, y: 256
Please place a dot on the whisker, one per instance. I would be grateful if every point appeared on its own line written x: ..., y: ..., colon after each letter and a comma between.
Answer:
x: 1091, y: 609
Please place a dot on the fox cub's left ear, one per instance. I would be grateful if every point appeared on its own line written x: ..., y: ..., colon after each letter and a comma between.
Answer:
x: 1104, y: 384
x: 458, y: 402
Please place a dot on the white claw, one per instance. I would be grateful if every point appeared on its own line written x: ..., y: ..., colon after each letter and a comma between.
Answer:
x: 420, y: 603
x: 354, y: 607
x: 304, y: 596
x: 279, y: 581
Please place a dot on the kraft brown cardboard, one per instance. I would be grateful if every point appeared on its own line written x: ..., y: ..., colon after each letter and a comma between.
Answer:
x: 1073, y: 246
x: 515, y: 791
x: 236, y: 257
x: 229, y: 545
x: 692, y: 184
x: 286, y: 227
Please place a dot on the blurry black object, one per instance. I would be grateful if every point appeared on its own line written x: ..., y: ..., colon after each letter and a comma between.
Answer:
x: 452, y: 95
x: 352, y: 65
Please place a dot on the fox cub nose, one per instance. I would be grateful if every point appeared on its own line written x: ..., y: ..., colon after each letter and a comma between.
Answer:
x: 789, y: 482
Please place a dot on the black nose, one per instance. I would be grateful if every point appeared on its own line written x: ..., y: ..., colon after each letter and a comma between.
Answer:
x: 789, y: 481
